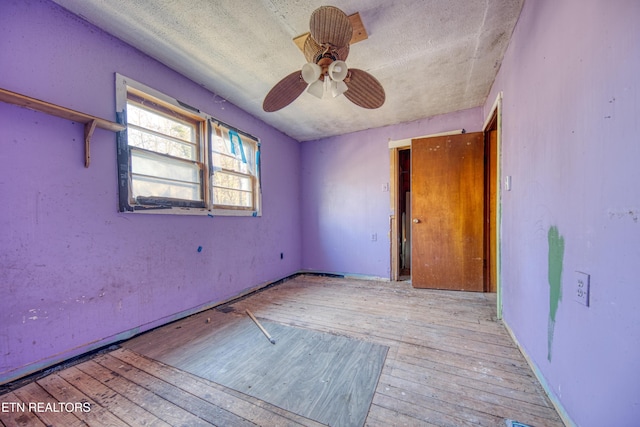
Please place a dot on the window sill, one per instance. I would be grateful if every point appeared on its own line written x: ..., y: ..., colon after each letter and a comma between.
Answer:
x: 192, y: 211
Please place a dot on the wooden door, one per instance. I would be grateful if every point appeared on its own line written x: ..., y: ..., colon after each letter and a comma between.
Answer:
x: 447, y: 208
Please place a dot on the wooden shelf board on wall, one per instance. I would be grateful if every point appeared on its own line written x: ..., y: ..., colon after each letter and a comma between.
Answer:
x: 90, y: 122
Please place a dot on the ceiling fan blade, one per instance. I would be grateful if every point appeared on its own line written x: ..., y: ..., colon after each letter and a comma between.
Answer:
x: 343, y: 52
x: 312, y: 51
x: 330, y: 25
x: 364, y: 89
x: 284, y: 92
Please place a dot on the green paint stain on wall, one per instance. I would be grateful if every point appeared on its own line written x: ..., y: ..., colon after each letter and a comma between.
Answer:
x: 556, y: 258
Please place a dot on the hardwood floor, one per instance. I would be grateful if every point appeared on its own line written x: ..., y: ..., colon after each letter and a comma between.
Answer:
x: 450, y: 363
x: 325, y: 377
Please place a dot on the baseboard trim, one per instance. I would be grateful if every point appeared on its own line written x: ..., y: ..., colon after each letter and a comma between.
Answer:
x: 542, y: 380
x: 344, y: 275
x: 71, y: 356
x: 44, y: 367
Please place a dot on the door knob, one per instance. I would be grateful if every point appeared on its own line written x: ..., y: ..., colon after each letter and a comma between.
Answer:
x: 416, y: 220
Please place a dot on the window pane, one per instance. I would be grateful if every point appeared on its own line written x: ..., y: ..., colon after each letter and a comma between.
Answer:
x: 218, y: 144
x: 157, y: 187
x: 232, y: 190
x: 236, y: 182
x: 157, y: 176
x: 160, y: 123
x: 224, y: 157
x: 229, y: 163
x: 152, y: 142
x: 227, y: 197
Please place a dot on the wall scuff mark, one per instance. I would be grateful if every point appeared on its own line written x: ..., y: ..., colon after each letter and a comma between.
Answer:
x: 556, y: 258
x: 624, y: 213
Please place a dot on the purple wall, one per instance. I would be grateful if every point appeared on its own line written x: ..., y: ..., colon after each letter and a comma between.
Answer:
x: 75, y: 273
x: 570, y: 142
x: 343, y: 202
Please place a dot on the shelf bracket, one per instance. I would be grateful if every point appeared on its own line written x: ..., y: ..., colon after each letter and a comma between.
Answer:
x: 89, y: 127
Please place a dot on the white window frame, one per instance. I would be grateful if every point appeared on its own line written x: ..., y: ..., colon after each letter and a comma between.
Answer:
x: 240, y: 143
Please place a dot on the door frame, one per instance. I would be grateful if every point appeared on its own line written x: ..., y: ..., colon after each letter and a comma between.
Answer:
x: 394, y: 197
x: 495, y: 113
x: 495, y: 116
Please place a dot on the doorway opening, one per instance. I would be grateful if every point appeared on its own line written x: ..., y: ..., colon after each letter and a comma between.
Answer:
x: 402, y: 263
x: 404, y: 213
x: 400, y: 201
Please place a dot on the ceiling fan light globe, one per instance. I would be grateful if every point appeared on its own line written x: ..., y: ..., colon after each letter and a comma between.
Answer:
x: 338, y: 88
x: 311, y: 72
x: 338, y: 70
x: 316, y: 88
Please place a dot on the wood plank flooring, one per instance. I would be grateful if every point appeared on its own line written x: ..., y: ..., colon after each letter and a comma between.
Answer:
x: 325, y: 377
x: 450, y: 363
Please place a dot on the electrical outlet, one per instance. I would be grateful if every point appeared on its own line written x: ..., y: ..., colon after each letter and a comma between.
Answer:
x: 581, y: 291
x: 374, y: 237
x: 385, y: 187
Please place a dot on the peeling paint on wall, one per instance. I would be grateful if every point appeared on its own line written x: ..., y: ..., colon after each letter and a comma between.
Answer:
x: 556, y: 258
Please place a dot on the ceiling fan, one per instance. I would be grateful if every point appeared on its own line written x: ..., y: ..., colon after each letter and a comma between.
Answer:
x: 326, y: 49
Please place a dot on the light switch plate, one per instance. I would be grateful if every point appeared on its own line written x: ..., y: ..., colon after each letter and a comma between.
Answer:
x: 581, y: 291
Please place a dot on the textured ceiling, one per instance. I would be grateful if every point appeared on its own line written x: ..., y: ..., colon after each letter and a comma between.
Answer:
x: 431, y: 56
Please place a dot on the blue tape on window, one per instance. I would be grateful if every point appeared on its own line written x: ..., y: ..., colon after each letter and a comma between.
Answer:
x: 233, y: 146
x: 233, y: 133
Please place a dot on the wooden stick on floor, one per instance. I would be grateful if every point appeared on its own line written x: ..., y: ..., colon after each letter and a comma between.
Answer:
x: 264, y: 331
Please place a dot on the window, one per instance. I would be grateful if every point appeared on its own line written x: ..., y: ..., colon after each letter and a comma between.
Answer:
x: 235, y: 161
x: 173, y: 158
